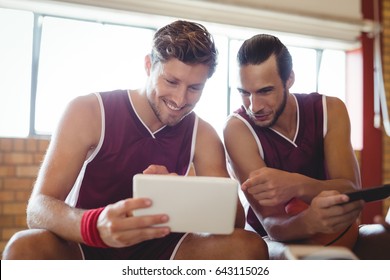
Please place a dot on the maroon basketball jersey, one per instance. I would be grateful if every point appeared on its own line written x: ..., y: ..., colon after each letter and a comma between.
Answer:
x: 303, y: 155
x: 128, y: 147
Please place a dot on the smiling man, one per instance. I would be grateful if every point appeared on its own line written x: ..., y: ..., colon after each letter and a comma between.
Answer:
x: 82, y: 205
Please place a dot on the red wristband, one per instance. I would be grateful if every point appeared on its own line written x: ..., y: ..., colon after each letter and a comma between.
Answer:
x: 89, y: 231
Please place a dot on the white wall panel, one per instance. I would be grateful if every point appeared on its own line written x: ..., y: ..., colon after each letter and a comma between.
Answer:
x: 336, y: 20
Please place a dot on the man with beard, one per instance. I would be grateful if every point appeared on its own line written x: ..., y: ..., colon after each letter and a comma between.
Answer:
x: 292, y: 155
x: 82, y: 205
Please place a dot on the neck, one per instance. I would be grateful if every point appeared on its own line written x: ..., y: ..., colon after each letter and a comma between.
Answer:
x: 287, y: 122
x: 144, y: 110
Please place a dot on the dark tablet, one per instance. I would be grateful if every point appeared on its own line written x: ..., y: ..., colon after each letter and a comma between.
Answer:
x: 370, y: 194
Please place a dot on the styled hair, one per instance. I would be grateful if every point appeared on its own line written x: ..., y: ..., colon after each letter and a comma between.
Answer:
x: 186, y: 41
x: 260, y: 47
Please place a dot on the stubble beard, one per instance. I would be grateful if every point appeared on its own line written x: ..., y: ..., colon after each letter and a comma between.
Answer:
x: 278, y: 113
x: 169, y: 121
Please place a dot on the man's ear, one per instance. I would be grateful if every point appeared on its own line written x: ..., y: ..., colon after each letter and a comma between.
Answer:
x: 148, y: 64
x: 290, y: 80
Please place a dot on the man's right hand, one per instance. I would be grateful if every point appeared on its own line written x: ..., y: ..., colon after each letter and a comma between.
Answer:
x: 119, y: 228
x: 328, y: 212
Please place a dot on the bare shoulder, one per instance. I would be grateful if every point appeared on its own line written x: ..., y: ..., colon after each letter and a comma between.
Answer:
x: 337, y: 112
x: 335, y: 105
x: 206, y: 132
x: 209, y: 157
x: 76, y: 135
x: 232, y: 124
x: 84, y: 104
x: 81, y: 120
x: 239, y: 139
x: 234, y: 127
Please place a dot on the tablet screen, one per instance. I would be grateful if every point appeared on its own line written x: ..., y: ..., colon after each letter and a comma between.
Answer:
x: 193, y: 203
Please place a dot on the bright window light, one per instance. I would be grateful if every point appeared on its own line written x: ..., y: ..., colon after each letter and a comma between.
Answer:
x: 213, y: 105
x: 79, y: 57
x: 304, y: 66
x: 16, y: 28
x: 332, y: 74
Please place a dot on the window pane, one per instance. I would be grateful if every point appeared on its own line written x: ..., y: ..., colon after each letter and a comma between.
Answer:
x: 212, y: 106
x: 235, y: 97
x: 79, y: 57
x: 16, y: 29
x: 331, y: 79
x: 305, y: 69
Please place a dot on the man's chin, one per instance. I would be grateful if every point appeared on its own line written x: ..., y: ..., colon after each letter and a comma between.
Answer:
x: 261, y: 124
x: 173, y: 121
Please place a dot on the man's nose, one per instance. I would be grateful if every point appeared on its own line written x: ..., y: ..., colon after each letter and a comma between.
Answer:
x: 179, y: 97
x: 256, y: 103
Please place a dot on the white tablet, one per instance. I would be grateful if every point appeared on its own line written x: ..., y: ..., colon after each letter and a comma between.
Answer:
x: 193, y: 203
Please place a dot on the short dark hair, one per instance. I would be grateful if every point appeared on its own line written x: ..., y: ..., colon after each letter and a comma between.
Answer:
x: 186, y: 41
x: 260, y: 47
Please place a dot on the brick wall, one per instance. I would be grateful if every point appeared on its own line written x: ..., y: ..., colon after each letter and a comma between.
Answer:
x: 19, y: 163
x: 386, y: 72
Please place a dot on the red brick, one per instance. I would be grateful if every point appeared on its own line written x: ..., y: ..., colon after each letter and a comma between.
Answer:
x: 5, y: 144
x: 7, y: 171
x: 38, y: 158
x: 14, y: 208
x: 43, y: 145
x: 22, y: 196
x: 20, y: 221
x: 7, y: 221
x: 18, y: 184
x: 7, y: 233
x: 31, y: 145
x: 18, y: 158
x: 27, y: 171
x: 2, y: 245
x: 7, y: 196
x: 19, y: 145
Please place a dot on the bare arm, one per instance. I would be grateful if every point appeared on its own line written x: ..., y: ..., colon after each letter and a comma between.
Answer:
x: 209, y: 157
x: 340, y: 159
x: 77, y: 135
x: 339, y: 155
x: 269, y: 189
x: 69, y: 147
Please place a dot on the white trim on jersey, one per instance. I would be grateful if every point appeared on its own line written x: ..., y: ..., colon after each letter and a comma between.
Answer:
x: 325, y: 117
x: 73, y: 195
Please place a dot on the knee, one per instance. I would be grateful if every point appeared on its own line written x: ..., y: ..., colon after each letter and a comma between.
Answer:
x: 38, y: 244
x: 19, y: 246
x: 373, y: 243
x: 276, y: 250
x: 251, y: 245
